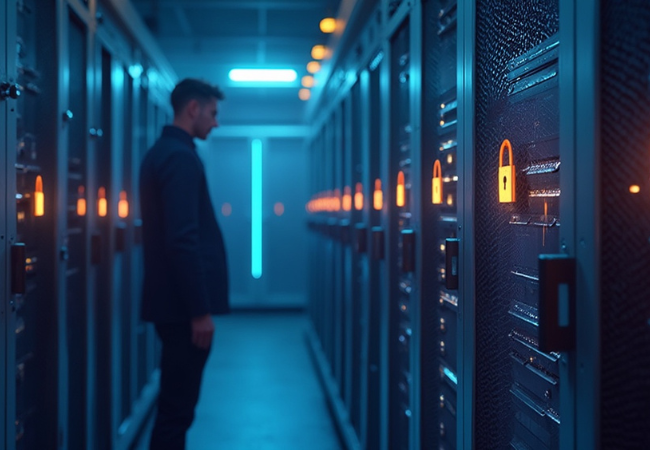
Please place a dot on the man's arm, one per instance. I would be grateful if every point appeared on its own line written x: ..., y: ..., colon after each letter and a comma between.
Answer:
x: 180, y: 177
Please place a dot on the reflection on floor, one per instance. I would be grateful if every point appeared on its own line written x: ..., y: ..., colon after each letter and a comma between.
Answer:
x: 260, y: 390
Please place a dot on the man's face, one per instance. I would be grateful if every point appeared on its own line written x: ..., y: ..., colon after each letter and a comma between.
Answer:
x: 205, y: 119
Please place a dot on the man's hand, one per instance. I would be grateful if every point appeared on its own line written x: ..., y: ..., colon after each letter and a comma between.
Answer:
x: 202, y: 331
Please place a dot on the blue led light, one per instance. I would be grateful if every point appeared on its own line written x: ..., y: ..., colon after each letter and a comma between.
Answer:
x: 451, y: 375
x: 256, y: 208
x: 263, y: 75
x: 376, y: 60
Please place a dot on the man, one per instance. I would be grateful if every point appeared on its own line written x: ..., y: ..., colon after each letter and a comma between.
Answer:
x: 185, y: 273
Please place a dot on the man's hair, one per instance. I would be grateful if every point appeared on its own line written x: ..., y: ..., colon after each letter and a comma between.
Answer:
x: 193, y: 89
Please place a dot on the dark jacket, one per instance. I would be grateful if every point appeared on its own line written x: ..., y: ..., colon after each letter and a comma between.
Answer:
x: 185, y: 272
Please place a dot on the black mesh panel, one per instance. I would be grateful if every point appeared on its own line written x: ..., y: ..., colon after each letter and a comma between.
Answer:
x: 625, y: 262
x: 516, y: 99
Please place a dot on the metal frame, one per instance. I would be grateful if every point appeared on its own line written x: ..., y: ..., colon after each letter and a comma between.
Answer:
x: 465, y: 162
x: 117, y: 260
x: 62, y: 154
x: 373, y: 96
x: 365, y: 298
x: 7, y: 66
x: 11, y: 227
x: 587, y: 221
x: 417, y: 198
x: 567, y: 107
x: 384, y: 89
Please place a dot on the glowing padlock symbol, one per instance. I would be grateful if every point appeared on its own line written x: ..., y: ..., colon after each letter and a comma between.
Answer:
x: 507, y: 181
x: 436, y: 184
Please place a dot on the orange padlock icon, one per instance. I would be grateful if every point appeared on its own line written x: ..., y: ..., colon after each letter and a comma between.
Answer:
x: 436, y: 184
x: 507, y: 181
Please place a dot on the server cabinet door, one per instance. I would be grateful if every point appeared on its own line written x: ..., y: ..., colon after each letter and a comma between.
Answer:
x: 354, y: 201
x: 76, y: 240
x: 401, y: 255
x: 516, y: 218
x: 101, y: 132
x: 370, y: 435
x: 34, y: 315
x: 622, y: 166
x: 440, y: 300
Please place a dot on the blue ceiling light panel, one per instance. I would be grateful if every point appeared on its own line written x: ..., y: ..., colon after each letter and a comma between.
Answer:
x: 279, y: 76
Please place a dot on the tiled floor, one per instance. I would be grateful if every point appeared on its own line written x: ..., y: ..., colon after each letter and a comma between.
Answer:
x: 260, y: 390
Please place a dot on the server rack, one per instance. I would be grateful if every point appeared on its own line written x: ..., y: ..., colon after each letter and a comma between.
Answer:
x: 517, y: 107
x: 31, y: 172
x: 622, y: 257
x: 376, y: 266
x: 71, y: 343
x: 439, y: 313
x: 401, y: 242
x: 552, y: 81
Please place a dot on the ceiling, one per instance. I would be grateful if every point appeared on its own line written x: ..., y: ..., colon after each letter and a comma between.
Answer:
x: 206, y: 38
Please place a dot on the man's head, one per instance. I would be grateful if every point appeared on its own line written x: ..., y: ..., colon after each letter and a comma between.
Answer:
x: 195, y: 106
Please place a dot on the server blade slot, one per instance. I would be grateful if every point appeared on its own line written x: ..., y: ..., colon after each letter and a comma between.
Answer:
x: 536, y: 57
x: 27, y: 168
x: 527, y: 313
x: 448, y: 375
x: 449, y: 300
x: 531, y: 221
x: 531, y: 343
x: 450, y: 144
x: 550, y: 165
x: 447, y: 19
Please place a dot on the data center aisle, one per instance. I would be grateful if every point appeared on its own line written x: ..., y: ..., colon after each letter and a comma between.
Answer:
x: 260, y: 389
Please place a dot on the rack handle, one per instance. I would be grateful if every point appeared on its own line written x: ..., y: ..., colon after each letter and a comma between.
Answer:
x: 452, y: 246
x: 557, y: 309
x: 18, y: 269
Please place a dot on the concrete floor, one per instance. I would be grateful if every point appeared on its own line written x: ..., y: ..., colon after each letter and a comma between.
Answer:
x: 260, y: 390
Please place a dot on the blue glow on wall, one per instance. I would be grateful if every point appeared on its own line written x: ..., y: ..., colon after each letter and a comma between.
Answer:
x: 256, y: 209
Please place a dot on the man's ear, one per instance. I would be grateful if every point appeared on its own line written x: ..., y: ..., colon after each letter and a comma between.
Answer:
x: 193, y: 107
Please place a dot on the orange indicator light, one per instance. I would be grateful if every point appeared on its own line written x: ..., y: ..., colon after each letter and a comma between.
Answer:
x: 358, y: 197
x: 635, y: 189
x: 378, y: 197
x: 102, y: 205
x: 39, y: 198
x: 347, y: 199
x: 436, y: 184
x: 81, y: 201
x: 123, y: 206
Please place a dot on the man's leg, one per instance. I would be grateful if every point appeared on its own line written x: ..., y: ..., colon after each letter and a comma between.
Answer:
x: 181, y: 368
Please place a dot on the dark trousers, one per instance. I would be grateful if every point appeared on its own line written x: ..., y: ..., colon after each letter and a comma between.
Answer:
x: 181, y: 369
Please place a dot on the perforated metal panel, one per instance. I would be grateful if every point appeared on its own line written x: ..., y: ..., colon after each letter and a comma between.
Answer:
x: 402, y: 281
x: 625, y: 233
x: 439, y: 308
x: 516, y: 99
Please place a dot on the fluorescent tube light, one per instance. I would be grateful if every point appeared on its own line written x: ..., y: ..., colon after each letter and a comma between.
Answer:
x: 263, y: 75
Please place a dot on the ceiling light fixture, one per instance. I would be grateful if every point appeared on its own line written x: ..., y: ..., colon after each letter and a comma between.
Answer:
x: 313, y: 67
x: 263, y: 75
x: 319, y: 51
x: 304, y: 94
x: 328, y: 25
x: 307, y: 81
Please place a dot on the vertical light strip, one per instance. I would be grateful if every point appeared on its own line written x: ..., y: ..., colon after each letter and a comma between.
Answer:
x: 256, y: 209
